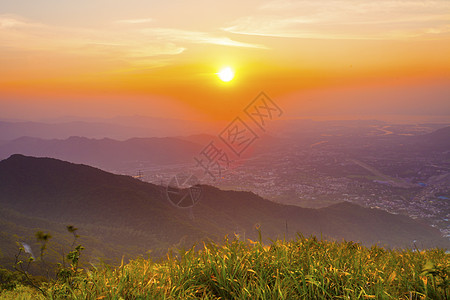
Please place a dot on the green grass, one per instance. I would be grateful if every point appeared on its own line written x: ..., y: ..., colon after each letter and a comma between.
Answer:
x: 306, y: 268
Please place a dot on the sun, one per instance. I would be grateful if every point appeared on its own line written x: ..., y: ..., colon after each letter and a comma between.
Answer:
x: 226, y: 74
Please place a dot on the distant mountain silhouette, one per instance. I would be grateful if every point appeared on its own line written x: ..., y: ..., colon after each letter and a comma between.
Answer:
x: 14, y: 130
x: 428, y: 144
x: 106, y: 153
x: 119, y: 214
x: 123, y: 127
x: 438, y: 140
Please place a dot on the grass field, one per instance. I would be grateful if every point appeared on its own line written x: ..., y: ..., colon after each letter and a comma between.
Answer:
x: 305, y: 268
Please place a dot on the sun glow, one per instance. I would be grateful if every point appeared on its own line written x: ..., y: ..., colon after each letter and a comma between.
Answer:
x: 226, y: 74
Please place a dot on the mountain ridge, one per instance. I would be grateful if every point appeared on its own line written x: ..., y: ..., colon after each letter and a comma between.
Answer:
x: 121, y: 210
x: 106, y: 153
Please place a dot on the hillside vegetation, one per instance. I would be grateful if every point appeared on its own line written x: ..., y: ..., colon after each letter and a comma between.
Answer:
x: 304, y: 268
x: 120, y: 216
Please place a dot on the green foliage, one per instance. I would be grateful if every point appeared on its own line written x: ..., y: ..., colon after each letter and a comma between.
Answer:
x: 67, y: 274
x: 439, y: 277
x: 63, y: 274
x: 20, y: 267
x: 10, y: 279
x: 21, y: 292
x: 305, y: 268
x: 43, y: 238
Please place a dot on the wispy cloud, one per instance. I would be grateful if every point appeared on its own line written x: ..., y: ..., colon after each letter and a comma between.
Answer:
x: 136, y: 21
x: 198, y: 37
x: 67, y: 47
x: 28, y: 45
x: 359, y: 19
x: 125, y: 43
x: 10, y: 21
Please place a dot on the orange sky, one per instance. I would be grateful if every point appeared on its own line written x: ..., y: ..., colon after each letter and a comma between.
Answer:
x: 159, y: 58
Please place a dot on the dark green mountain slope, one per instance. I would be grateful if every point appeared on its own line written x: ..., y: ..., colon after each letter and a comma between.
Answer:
x: 121, y: 215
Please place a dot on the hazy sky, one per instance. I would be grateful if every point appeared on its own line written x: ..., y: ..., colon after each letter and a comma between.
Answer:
x: 160, y: 58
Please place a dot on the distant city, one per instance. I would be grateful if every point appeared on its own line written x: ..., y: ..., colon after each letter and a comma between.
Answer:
x: 400, y: 168
x: 371, y: 168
